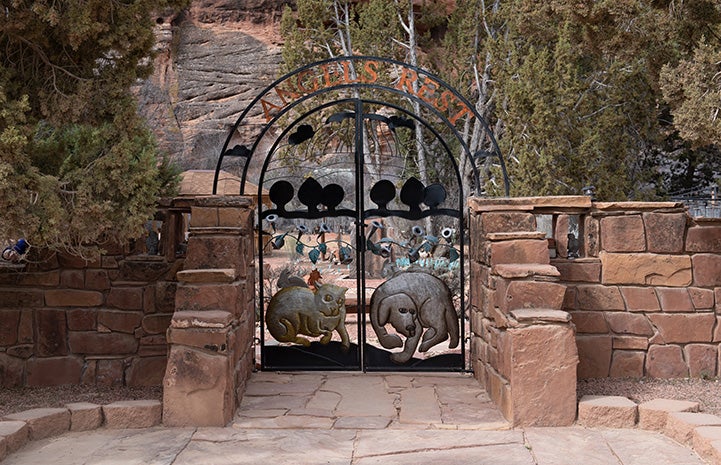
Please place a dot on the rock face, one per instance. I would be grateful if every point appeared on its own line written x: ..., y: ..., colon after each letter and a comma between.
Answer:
x: 211, y: 62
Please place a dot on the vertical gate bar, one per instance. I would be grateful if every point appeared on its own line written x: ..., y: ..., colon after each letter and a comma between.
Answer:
x: 259, y: 302
x: 360, y: 233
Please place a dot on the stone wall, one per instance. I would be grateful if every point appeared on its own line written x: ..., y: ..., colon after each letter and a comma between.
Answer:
x: 643, y: 292
x: 211, y: 333
x: 65, y: 320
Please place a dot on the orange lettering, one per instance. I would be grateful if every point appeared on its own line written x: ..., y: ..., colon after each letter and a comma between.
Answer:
x: 268, y: 108
x: 429, y: 89
x: 301, y: 85
x: 286, y: 93
x: 372, y: 71
x: 442, y: 102
x: 347, y: 73
x: 464, y: 111
x: 405, y: 83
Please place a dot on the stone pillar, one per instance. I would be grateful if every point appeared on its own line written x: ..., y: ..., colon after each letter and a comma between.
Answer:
x: 211, y: 332
x: 523, y: 346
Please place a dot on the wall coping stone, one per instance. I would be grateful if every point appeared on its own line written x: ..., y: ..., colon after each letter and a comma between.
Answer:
x: 524, y: 270
x: 540, y: 315
x: 625, y: 206
x: 217, y: 275
x: 529, y: 203
x: 201, y: 319
x: 510, y: 236
x: 217, y: 231
x: 233, y: 201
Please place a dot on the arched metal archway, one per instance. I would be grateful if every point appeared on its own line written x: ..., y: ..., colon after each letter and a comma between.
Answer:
x: 362, y: 236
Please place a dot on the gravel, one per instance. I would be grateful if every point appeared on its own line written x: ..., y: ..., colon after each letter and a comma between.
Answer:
x: 707, y: 392
x: 17, y: 399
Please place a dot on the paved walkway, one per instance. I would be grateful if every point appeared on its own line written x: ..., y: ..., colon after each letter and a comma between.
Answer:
x: 360, y: 419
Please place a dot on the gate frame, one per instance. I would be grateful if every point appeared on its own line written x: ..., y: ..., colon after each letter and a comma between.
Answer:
x: 292, y: 97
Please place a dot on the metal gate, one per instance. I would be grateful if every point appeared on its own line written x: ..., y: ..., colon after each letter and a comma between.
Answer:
x: 360, y: 173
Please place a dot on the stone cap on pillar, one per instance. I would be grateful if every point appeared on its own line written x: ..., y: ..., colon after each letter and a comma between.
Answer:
x: 201, y: 319
x: 525, y: 270
x: 531, y: 316
x: 235, y: 201
x: 563, y: 202
x: 216, y: 275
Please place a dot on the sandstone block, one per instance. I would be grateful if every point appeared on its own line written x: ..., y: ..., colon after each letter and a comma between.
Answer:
x: 109, y: 372
x: 629, y: 323
x: 118, y: 320
x: 665, y: 231
x: 592, y: 236
x: 204, y: 217
x: 9, y: 321
x: 164, y: 301
x: 97, y: 280
x: 623, y: 234
x: 674, y: 299
x: 652, y: 414
x: 594, y: 353
x: 225, y: 275
x: 525, y: 270
x: 82, y: 319
x: 201, y: 319
x: 665, y: 362
x: 543, y: 375
x: 640, y: 299
x: 644, y: 268
x: 51, y: 330
x: 43, y: 422
x: 53, y: 371
x: 533, y: 294
x: 684, y: 327
x: 680, y: 425
x: 520, y: 251
x: 157, y: 323
x: 590, y: 322
x: 198, y: 388
x: 42, y: 279
x: 73, y: 279
x: 235, y: 217
x: 16, y: 434
x: 72, y: 298
x: 581, y: 270
x: 212, y: 252
x: 21, y: 298
x: 495, y: 222
x: 133, y: 414
x: 703, y: 299
x: 706, y: 270
x: 146, y: 371
x: 599, y: 297
x: 606, y: 411
x: 93, y: 343
x: 630, y: 343
x: 627, y: 364
x: 701, y: 360
x: 230, y: 297
x: 84, y: 416
x: 706, y: 441
x: 12, y: 370
x: 126, y: 298
x: 703, y: 239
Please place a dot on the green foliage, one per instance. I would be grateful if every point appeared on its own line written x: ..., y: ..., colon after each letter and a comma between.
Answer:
x: 77, y: 166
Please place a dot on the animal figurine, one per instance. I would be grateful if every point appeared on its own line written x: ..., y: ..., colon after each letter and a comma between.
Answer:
x: 415, y: 304
x: 298, y: 310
